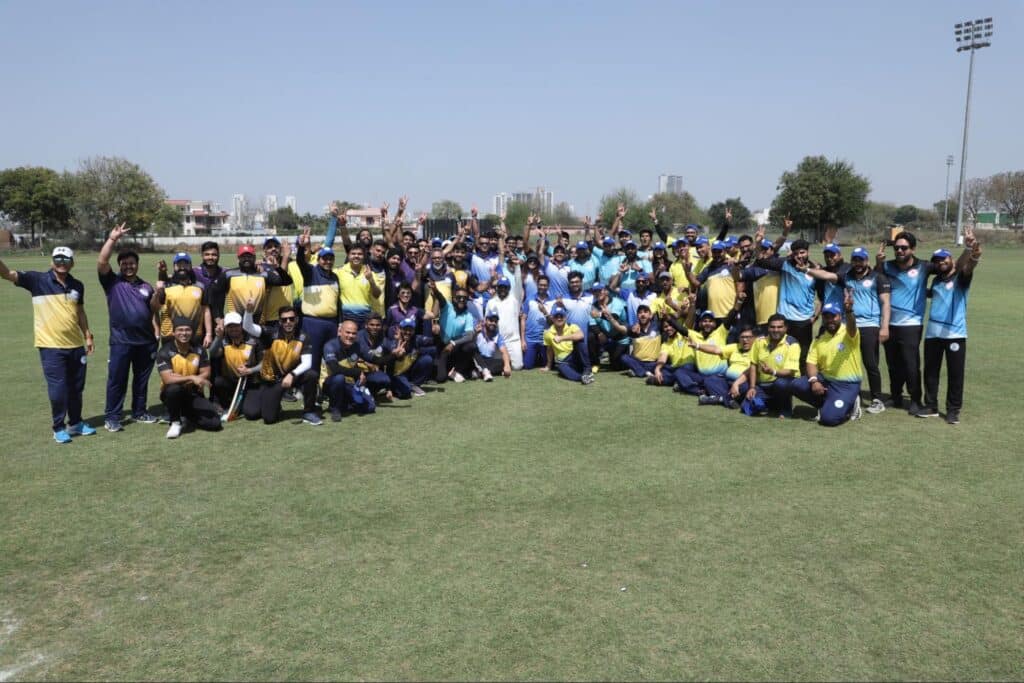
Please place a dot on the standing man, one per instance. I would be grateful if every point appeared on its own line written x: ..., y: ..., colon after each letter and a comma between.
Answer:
x: 908, y: 277
x: 320, y: 300
x: 209, y: 270
x: 946, y: 333
x: 507, y: 309
x: 131, y: 303
x: 798, y: 301
x: 62, y: 336
x: 533, y: 322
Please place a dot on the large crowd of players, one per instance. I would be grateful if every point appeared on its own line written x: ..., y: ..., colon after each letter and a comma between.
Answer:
x: 742, y: 322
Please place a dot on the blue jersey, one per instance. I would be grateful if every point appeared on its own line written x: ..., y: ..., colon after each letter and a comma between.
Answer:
x: 947, y: 318
x: 488, y: 346
x: 833, y: 292
x: 627, y: 281
x: 797, y: 292
x: 481, y: 266
x: 558, y: 278
x: 536, y: 322
x: 131, y: 319
x: 577, y: 311
x: 633, y: 301
x: 455, y: 325
x: 617, y: 308
x: 867, y: 307
x: 607, y: 264
x: 529, y: 287
x: 589, y: 269
x: 909, y: 291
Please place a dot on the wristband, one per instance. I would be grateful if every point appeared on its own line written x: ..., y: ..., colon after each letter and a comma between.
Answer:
x: 812, y: 379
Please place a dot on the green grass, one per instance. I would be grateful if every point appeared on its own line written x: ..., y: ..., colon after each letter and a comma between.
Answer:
x: 488, y: 532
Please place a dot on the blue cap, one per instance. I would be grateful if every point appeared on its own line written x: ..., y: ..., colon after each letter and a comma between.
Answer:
x: 693, y: 226
x: 718, y: 245
x: 767, y: 244
x: 701, y: 239
x: 859, y: 252
x: 941, y: 253
x: 832, y: 309
x: 832, y: 248
x: 596, y: 287
x: 664, y: 274
x: 643, y: 275
x: 493, y: 313
x: 182, y: 256
x: 625, y: 231
x: 582, y: 245
x: 557, y: 309
x: 730, y: 241
x: 326, y: 251
x: 504, y: 282
x: 658, y: 245
x: 436, y: 242
x: 753, y: 406
x: 629, y: 243
x: 681, y: 242
x: 468, y: 239
x: 532, y: 257
x: 271, y: 240
x: 706, y: 313
x: 608, y: 241
x: 407, y: 323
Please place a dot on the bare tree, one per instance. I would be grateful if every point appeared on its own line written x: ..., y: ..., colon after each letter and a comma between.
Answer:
x: 975, y: 198
x: 1006, y: 193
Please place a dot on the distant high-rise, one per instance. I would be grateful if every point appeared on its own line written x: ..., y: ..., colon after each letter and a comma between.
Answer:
x: 540, y: 200
x: 501, y: 201
x: 671, y: 184
x: 270, y: 203
x: 290, y: 202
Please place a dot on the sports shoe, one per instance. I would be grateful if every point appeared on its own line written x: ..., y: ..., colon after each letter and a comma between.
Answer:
x: 146, y: 418
x: 895, y: 402
x: 923, y: 411
x: 486, y: 374
x: 290, y: 395
x: 312, y: 419
x: 877, y: 406
x: 729, y: 403
x: 953, y: 416
x: 62, y: 436
x: 475, y: 374
x: 456, y: 377
x: 416, y: 391
x: 335, y: 415
x: 857, y: 413
x: 587, y: 379
x: 174, y: 431
x: 709, y: 400
x: 112, y: 426
x: 81, y: 429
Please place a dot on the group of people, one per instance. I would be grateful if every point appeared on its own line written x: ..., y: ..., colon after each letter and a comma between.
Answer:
x: 730, y: 320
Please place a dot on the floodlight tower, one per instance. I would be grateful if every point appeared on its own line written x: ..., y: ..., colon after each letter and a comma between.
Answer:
x: 970, y: 36
x: 945, y: 209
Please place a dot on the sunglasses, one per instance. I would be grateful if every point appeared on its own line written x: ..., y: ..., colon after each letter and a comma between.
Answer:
x: 461, y: 298
x: 901, y: 247
x: 289, y: 319
x: 62, y: 259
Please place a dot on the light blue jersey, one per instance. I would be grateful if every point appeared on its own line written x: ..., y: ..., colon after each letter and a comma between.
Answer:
x: 488, y: 346
x: 558, y: 278
x: 627, y: 281
x: 867, y: 307
x: 617, y: 307
x: 633, y: 301
x: 589, y: 269
x: 577, y: 311
x: 947, y: 318
x: 909, y: 291
x: 454, y: 324
x: 797, y: 293
x: 481, y: 266
x: 607, y: 265
x: 536, y: 322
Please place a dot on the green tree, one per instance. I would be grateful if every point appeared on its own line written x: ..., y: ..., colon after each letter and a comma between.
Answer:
x: 283, y: 220
x: 34, y: 197
x: 345, y: 205
x: 560, y: 215
x: 446, y: 208
x: 107, y: 191
x: 942, y: 211
x: 677, y: 210
x: 636, y: 211
x: 821, y: 196
x: 741, y: 220
x: 167, y: 221
x: 1006, y: 193
x: 516, y: 214
x: 906, y: 214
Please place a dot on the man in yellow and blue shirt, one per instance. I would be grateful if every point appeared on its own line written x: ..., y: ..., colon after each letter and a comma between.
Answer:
x: 774, y: 364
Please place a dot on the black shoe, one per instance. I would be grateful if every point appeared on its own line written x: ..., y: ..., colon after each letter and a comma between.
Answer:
x: 923, y: 411
x: 895, y: 402
x: 709, y: 400
x: 953, y: 416
x: 729, y: 403
x: 335, y: 415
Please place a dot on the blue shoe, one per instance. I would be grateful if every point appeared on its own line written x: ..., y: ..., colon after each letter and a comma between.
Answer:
x: 81, y: 429
x: 62, y: 436
x: 312, y: 419
x: 146, y: 418
x: 112, y: 426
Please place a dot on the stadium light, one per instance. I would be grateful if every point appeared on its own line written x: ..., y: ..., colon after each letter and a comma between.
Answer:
x: 971, y: 36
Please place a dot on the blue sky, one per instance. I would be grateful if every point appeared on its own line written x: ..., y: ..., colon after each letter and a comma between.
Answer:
x: 462, y: 100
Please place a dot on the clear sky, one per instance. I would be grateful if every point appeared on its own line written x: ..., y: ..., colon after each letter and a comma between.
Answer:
x: 460, y: 100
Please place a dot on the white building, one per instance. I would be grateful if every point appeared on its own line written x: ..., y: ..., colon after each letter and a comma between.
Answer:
x: 200, y: 217
x: 270, y: 203
x: 501, y: 201
x: 290, y: 202
x: 539, y: 200
x: 239, y: 210
x: 670, y: 184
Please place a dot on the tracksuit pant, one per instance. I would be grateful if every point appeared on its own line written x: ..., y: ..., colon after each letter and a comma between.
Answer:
x: 535, y: 355
x: 955, y: 351
x: 182, y: 401
x: 224, y: 390
x: 137, y: 358
x: 777, y: 395
x: 869, y: 358
x: 902, y: 355
x: 835, y: 404
x: 401, y: 385
x: 719, y: 385
x: 574, y: 365
x: 803, y: 332
x: 692, y: 381
x: 639, y: 368
x: 318, y: 332
x: 345, y: 396
x: 461, y: 358
x: 64, y: 371
x: 270, y: 396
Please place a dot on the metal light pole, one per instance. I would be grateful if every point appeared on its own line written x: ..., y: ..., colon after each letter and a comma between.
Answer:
x: 945, y: 209
x: 970, y: 36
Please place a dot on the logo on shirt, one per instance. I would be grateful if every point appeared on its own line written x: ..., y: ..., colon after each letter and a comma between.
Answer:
x: 73, y: 295
x: 196, y: 294
x: 808, y: 277
x: 143, y: 292
x: 867, y: 283
x: 949, y: 285
x: 778, y: 358
x: 841, y: 346
x: 912, y: 272
x: 195, y: 362
x: 839, y: 403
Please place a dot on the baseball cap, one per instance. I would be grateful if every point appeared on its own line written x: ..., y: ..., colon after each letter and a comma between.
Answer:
x: 658, y: 245
x: 557, y: 309
x: 504, y: 282
x: 625, y: 231
x: 271, y: 240
x: 681, y: 242
x: 692, y: 226
x: 182, y: 256
x: 608, y: 241
x: 767, y: 244
x: 630, y: 243
x: 468, y: 239
x: 407, y: 322
x: 532, y: 257
x: 701, y: 239
x: 436, y: 242
x: 859, y: 252
x: 182, y: 321
x: 718, y: 245
x: 326, y: 251
x: 664, y: 274
x: 940, y: 253
x: 596, y: 287
x: 64, y: 252
x: 831, y: 308
x: 753, y: 406
x: 582, y: 245
x: 246, y: 249
x: 232, y: 318
x: 832, y: 248
x: 643, y: 275
x: 705, y: 314
x: 730, y: 241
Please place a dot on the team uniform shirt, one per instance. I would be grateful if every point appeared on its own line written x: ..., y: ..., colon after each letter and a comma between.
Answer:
x: 373, y: 350
x: 833, y: 292
x: 529, y: 287
x: 562, y: 349
x: 677, y: 351
x: 508, y: 315
x: 710, y: 363
x: 536, y: 321
x: 483, y: 266
x: 238, y: 287
x: 678, y: 273
x: 54, y: 309
x: 647, y: 346
x: 488, y: 347
x: 577, y: 311
x: 720, y: 288
x: 607, y: 264
x: 247, y: 354
x: 797, y: 291
x: 444, y: 281
x: 947, y: 318
x: 589, y: 269
x: 738, y: 359
x: 837, y: 356
x: 784, y: 356
x: 627, y: 280
x: 558, y: 278
x: 380, y: 277
x: 295, y: 272
x: 396, y: 314
x: 131, y: 320
x: 867, y: 307
x: 909, y: 290
x: 400, y: 366
x: 199, y: 272
x: 455, y: 325
x: 617, y: 309
x: 355, y: 292
x: 186, y: 364
x: 279, y: 294
x: 343, y: 360
x: 660, y: 307
x: 184, y: 301
x: 281, y: 354
x: 633, y: 302
x: 320, y: 291
x: 765, y: 286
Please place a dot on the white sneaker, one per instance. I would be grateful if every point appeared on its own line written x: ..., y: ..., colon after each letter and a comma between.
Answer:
x: 175, y: 430
x: 457, y: 377
x: 857, y: 411
x: 486, y: 374
x: 416, y: 391
x: 877, y: 406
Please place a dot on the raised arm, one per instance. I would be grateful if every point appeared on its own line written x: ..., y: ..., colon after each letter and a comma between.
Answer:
x: 787, y: 225
x: 968, y: 260
x: 8, y: 274
x: 103, y: 261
